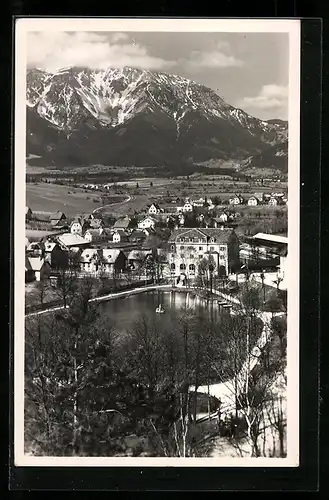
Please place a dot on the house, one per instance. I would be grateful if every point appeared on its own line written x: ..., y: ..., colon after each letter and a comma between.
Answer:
x: 187, y: 207
x: 283, y: 263
x: 222, y: 218
x: 70, y: 240
x: 146, y: 223
x: 181, y: 219
x: 58, y: 219
x: 90, y: 260
x: 148, y: 231
x: 113, y: 261
x: 96, y: 223
x: 119, y: 236
x: 39, y: 266
x: 41, y: 216
x: 210, y: 204
x: 273, y: 202
x: 154, y: 209
x: 187, y: 247
x: 137, y: 257
x: 137, y: 236
x: 236, y: 200
x: 198, y: 203
x: 260, y: 197
x: 268, y: 246
x: 34, y: 249
x: 55, y: 255
x: 122, y: 223
x: 77, y: 226
x: 253, y: 201
x: 28, y: 213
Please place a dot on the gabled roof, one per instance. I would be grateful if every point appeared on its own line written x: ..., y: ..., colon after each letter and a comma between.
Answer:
x: 93, y: 232
x: 148, y: 217
x: 137, y: 234
x: 57, y: 216
x: 110, y: 255
x: 42, y: 217
x: 36, y: 263
x: 27, y: 210
x: 77, y: 220
x: 137, y: 254
x: 88, y: 254
x: 96, y: 223
x: 122, y: 223
x: 34, y: 246
x: 49, y: 246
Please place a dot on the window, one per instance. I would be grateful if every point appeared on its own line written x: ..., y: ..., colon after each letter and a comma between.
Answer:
x: 191, y: 256
x: 182, y: 267
x: 212, y: 249
x: 173, y: 247
x: 200, y: 256
x: 200, y: 248
x: 181, y: 248
x: 221, y: 256
x: 191, y: 267
x: 212, y: 240
x: 172, y: 267
x: 173, y: 255
x: 222, y: 249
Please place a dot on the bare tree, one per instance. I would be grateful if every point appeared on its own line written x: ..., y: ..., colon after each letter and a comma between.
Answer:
x: 67, y: 279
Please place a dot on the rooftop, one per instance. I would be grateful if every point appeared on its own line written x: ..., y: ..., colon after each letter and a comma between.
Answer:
x: 221, y: 235
x: 71, y: 239
x: 271, y: 237
x: 110, y: 255
x: 36, y: 263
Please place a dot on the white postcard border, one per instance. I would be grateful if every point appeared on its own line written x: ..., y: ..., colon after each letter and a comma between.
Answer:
x: 23, y: 26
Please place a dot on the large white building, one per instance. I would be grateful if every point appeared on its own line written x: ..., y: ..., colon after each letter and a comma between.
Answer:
x: 187, y: 247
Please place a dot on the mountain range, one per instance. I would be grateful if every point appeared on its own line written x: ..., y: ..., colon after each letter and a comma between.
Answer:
x: 130, y: 116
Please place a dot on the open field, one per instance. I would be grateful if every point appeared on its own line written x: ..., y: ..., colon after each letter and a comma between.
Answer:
x: 50, y: 197
x: 45, y: 197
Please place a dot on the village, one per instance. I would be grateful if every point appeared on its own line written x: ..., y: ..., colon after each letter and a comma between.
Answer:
x: 162, y: 243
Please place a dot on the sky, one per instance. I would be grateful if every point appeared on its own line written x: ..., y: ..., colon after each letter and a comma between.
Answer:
x: 248, y: 70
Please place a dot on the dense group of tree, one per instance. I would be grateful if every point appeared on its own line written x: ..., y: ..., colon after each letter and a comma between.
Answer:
x: 88, y: 389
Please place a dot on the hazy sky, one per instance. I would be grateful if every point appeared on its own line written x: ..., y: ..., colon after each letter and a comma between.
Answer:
x: 249, y: 70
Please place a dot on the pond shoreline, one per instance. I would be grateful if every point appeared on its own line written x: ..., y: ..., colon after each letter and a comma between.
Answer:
x: 134, y: 291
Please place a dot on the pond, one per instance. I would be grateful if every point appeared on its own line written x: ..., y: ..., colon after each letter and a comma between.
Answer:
x: 124, y: 311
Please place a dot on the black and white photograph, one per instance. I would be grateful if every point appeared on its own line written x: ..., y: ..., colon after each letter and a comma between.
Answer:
x: 157, y: 206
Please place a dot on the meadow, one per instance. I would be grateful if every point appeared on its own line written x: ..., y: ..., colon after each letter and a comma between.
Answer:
x: 48, y: 197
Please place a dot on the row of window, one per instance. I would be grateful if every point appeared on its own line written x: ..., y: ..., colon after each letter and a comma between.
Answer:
x: 182, y: 267
x: 195, y: 240
x: 193, y: 256
x: 221, y: 248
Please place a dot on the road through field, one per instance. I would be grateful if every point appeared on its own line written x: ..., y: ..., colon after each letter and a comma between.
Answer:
x: 113, y: 204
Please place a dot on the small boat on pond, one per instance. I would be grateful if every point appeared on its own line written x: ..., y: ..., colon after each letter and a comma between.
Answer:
x: 160, y: 309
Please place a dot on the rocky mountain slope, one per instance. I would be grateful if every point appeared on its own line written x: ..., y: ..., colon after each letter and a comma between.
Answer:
x: 130, y: 116
x: 274, y: 157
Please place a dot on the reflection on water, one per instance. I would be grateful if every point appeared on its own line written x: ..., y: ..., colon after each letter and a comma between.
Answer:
x: 123, y: 312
